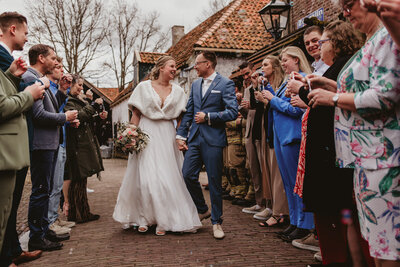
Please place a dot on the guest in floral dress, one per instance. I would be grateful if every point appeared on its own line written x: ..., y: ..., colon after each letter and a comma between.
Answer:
x: 367, y: 131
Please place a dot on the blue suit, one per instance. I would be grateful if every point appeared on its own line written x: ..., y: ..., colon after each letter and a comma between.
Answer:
x: 207, y: 140
x: 287, y: 138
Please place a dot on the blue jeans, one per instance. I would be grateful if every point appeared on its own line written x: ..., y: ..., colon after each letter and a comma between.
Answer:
x: 58, y: 180
x: 42, y: 171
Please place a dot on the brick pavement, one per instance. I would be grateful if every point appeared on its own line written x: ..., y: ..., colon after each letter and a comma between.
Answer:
x: 104, y: 243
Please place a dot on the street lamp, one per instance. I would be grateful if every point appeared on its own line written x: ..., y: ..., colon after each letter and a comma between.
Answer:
x: 275, y: 16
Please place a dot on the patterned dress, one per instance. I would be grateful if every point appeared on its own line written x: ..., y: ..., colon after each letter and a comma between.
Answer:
x: 369, y: 141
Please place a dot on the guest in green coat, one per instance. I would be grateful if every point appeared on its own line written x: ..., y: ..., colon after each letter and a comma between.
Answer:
x: 83, y: 153
x: 14, y: 152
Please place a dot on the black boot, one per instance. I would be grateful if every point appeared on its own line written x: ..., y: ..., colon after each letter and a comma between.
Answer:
x: 288, y: 230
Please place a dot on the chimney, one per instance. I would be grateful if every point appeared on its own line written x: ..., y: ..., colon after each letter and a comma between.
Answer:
x: 177, y: 33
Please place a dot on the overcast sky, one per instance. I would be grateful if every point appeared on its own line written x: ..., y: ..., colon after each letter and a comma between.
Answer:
x: 172, y: 12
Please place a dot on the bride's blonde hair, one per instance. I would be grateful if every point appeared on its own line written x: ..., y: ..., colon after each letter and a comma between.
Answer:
x: 155, y: 72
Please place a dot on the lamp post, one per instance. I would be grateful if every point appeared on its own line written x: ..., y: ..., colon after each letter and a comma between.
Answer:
x: 275, y: 16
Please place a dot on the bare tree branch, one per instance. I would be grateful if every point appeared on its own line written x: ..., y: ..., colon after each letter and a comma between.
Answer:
x: 128, y: 32
x: 74, y: 28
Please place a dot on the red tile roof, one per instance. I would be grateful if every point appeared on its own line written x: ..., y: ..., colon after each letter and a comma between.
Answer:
x: 150, y: 57
x: 236, y: 27
x: 124, y: 94
x: 110, y: 93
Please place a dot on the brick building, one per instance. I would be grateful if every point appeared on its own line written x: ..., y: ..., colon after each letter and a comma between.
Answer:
x: 324, y: 10
x: 233, y: 33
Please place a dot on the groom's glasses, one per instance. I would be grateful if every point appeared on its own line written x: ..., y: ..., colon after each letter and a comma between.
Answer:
x: 197, y: 63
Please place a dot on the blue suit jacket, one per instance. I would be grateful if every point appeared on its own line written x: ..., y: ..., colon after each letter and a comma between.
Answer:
x: 5, y: 59
x: 219, y: 101
x: 287, y: 119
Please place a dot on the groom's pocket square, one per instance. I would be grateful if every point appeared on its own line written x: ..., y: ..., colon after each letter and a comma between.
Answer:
x: 215, y: 92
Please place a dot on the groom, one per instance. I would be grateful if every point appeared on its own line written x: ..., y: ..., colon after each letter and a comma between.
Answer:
x: 212, y: 102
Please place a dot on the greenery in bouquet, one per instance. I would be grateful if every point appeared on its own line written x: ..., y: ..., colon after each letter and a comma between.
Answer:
x: 130, y: 138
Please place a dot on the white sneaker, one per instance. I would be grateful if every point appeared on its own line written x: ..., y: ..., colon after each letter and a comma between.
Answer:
x: 89, y: 190
x: 318, y: 256
x: 62, y: 223
x: 252, y: 210
x: 263, y: 215
x: 308, y: 242
x: 126, y: 226
x: 218, y: 232
x: 59, y: 230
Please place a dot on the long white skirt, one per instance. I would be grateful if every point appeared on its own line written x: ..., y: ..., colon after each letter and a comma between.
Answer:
x: 153, y: 190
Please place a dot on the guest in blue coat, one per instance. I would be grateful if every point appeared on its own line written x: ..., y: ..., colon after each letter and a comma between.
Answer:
x: 287, y: 137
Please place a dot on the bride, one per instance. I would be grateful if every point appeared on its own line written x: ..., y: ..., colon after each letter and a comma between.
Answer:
x: 153, y: 191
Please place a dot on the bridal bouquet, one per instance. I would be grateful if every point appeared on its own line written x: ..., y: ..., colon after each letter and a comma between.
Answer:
x: 130, y: 138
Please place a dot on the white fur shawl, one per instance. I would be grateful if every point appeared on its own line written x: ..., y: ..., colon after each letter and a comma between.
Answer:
x: 146, y: 99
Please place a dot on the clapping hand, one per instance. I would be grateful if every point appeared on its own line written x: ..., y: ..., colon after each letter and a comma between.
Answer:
x: 267, y: 95
x: 75, y: 123
x: 71, y: 115
x: 321, y: 82
x: 259, y: 97
x: 65, y: 82
x: 103, y: 115
x: 320, y: 97
x: 296, y: 101
x: 97, y: 100
x: 36, y: 90
x: 239, y: 97
x: 295, y: 82
x: 245, y: 104
x: 18, y: 67
x: 389, y: 9
x: 89, y: 94
x: 45, y: 81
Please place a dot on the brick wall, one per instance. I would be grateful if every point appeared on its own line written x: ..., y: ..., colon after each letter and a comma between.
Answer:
x: 302, y: 8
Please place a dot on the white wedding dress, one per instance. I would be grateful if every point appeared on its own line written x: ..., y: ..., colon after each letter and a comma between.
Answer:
x: 153, y: 191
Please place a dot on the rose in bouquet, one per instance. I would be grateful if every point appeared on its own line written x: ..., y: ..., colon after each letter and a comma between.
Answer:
x: 130, y: 138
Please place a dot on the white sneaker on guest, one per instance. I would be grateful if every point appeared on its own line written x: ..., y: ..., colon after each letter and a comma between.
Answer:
x: 62, y: 223
x: 218, y: 232
x: 263, y: 215
x: 59, y: 230
x: 89, y: 190
x: 252, y: 210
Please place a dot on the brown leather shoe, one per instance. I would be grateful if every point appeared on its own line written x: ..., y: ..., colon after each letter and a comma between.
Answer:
x: 205, y: 215
x: 27, y: 256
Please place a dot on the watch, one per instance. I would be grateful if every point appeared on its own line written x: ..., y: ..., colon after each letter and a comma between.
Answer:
x: 206, y: 117
x: 335, y: 99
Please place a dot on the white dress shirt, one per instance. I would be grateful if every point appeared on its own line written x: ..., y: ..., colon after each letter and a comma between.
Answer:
x: 205, y: 86
x: 207, y: 82
x: 319, y: 67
